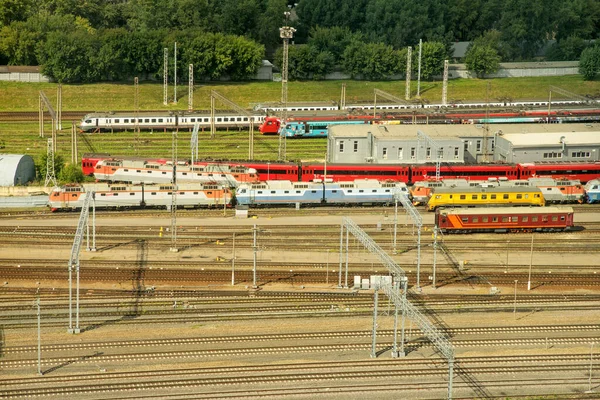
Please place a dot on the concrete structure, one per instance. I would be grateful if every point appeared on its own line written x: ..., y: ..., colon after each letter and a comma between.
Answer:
x: 549, y: 146
x: 17, y: 73
x: 366, y: 143
x: 389, y: 144
x: 265, y: 72
x: 16, y: 169
x: 519, y: 69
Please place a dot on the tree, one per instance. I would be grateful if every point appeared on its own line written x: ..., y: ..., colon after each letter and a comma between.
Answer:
x: 432, y: 59
x: 306, y: 62
x: 71, y: 173
x: 373, y: 61
x: 589, y: 63
x: 40, y: 166
x: 482, y: 60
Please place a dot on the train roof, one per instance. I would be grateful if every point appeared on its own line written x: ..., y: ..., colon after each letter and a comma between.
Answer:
x: 144, y: 114
x: 479, y: 189
x: 505, y: 210
x: 535, y: 138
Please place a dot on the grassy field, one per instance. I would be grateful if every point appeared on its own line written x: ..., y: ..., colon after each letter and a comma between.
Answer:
x: 23, y: 138
x: 107, y: 97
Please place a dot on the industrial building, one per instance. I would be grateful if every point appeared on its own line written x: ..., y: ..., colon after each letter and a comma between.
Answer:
x: 16, y: 169
x: 389, y: 144
x: 548, y: 146
x: 400, y: 144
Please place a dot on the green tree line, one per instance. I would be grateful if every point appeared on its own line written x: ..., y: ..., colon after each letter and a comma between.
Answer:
x: 95, y: 40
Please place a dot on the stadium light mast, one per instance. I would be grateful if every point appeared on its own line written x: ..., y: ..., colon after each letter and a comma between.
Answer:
x: 286, y: 33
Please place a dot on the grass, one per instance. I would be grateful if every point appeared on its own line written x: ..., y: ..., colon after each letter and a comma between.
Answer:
x: 23, y: 138
x: 107, y: 97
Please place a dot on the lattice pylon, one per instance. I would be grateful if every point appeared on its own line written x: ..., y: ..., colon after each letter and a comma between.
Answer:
x: 50, y: 175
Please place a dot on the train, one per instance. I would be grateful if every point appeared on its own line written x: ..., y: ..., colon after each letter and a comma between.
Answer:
x: 485, y: 196
x: 71, y: 197
x: 143, y: 171
x: 316, y: 126
x: 409, y: 174
x: 360, y: 191
x: 505, y: 219
x: 163, y: 120
x: 592, y: 191
x: 401, y: 113
x: 554, y: 190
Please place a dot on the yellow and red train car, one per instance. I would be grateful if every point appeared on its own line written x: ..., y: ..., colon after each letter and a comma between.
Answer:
x: 504, y: 219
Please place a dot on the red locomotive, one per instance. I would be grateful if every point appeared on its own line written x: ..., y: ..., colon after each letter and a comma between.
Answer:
x: 505, y: 219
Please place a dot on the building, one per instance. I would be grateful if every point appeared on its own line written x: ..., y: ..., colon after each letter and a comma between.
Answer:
x: 16, y: 169
x: 397, y: 144
x: 389, y: 144
x: 574, y: 146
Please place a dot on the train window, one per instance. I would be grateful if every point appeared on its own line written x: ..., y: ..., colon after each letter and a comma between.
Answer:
x: 313, y: 191
x: 451, y: 196
x: 205, y: 119
x: 297, y: 191
x: 246, y: 120
x: 334, y: 191
x: 465, y: 219
x: 153, y: 193
x: 184, y: 173
x: 154, y: 120
x: 222, y: 175
x: 132, y: 194
x: 473, y: 197
x: 544, y: 218
x: 209, y: 192
x: 526, y: 195
x: 116, y: 120
x: 494, y: 219
x: 562, y: 217
x: 356, y: 146
x: 126, y: 170
x: 219, y: 119
x: 504, y: 219
x: 519, y: 196
x: 239, y: 119
x: 181, y: 192
x: 226, y: 119
x: 437, y: 197
x: 525, y: 219
x: 463, y: 197
x: 493, y: 196
x: 484, y: 219
x: 361, y: 191
x: 169, y: 193
x: 505, y: 196
x: 147, y: 120
x: 164, y: 172
x: 341, y: 144
x: 484, y: 197
x: 554, y: 218
x: 286, y: 191
x: 260, y: 192
x: 192, y: 119
x: 349, y: 191
x: 534, y: 219
x: 244, y: 191
x: 475, y: 219
x: 102, y: 194
x: 514, y: 219
x: 536, y: 196
x: 272, y: 191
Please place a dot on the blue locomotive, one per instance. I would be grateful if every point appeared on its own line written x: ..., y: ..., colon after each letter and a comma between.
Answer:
x: 592, y: 191
x: 360, y: 191
x: 314, y: 129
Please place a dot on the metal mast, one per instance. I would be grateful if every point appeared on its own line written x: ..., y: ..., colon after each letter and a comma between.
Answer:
x: 59, y: 107
x: 286, y: 33
x: 174, y: 195
x: 435, y: 148
x: 50, y: 175
x: 419, y: 73
x: 408, y: 72
x: 445, y: 84
x: 136, y: 108
x: 343, y: 97
x: 194, y: 143
x: 165, y: 74
x: 44, y: 101
x: 175, y: 75
x: 387, y: 96
x: 191, y: 88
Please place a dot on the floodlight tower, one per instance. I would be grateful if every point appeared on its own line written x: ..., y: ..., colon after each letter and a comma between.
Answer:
x: 286, y: 33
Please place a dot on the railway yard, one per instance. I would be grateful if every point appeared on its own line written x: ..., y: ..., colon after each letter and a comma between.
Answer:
x: 192, y: 325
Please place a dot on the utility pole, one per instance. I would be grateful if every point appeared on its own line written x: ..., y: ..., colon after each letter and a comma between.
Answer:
x: 165, y: 75
x: 233, y: 262
x: 175, y: 75
x: 191, y: 88
x: 530, y: 265
x: 286, y: 33
x: 419, y: 73
x: 408, y: 72
x: 254, y: 258
x: 39, y: 333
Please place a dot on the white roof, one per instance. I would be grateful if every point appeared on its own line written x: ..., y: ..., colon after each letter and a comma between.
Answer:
x: 553, y: 138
